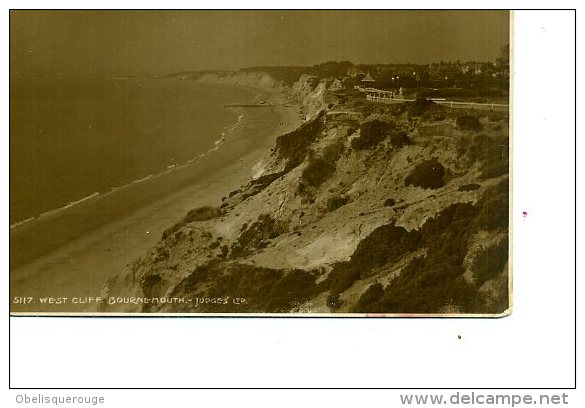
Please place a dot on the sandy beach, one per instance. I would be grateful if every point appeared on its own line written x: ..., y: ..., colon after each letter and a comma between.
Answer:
x: 98, y: 238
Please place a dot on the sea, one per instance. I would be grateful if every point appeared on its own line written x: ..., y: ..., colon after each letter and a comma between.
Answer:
x: 73, y: 139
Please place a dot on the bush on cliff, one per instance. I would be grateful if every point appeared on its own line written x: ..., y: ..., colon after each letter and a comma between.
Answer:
x: 385, y: 244
x: 332, y: 152
x: 202, y: 214
x: 429, y: 283
x: 333, y: 302
x: 399, y: 139
x: 490, y: 262
x: 428, y: 174
x: 253, y: 236
x: 199, y: 214
x: 317, y: 171
x: 369, y: 299
x: 482, y: 148
x: 341, y: 278
x: 264, y: 289
x: 335, y: 202
x: 494, y: 207
x: 496, y: 169
x: 491, y: 152
x: 468, y: 122
x: 419, y: 106
x: 293, y: 146
x: 389, y: 202
x: 469, y: 187
x: 371, y: 133
x: 432, y: 283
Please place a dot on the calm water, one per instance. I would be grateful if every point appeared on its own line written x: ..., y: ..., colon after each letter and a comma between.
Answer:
x: 72, y: 138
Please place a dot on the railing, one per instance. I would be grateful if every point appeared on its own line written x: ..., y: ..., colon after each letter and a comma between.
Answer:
x: 451, y: 104
x: 385, y: 99
x: 473, y: 105
x: 362, y: 89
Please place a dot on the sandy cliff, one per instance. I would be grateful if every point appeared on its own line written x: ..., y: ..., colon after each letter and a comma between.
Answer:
x: 251, y: 79
x: 365, y: 208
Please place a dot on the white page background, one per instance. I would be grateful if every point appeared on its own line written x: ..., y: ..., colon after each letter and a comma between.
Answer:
x: 534, y: 347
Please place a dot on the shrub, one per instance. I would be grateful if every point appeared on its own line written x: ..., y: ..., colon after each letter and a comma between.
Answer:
x: 148, y: 282
x: 389, y: 202
x: 495, y: 170
x: 396, y: 109
x: 385, y: 244
x: 489, y: 263
x: 371, y: 133
x: 428, y: 174
x: 333, y: 301
x: 493, y: 207
x: 256, y: 234
x: 333, y: 203
x: 291, y: 290
x: 487, y: 149
x: 317, y: 171
x: 456, y: 215
x: 434, y: 281
x: 410, y: 241
x: 468, y: 122
x: 419, y: 106
x: 435, y: 113
x: 425, y: 287
x: 293, y: 146
x: 173, y: 231
x: 199, y: 214
x: 267, y: 179
x: 380, y: 246
x: 202, y: 214
x: 265, y: 290
x: 497, y: 116
x: 399, y: 139
x: 332, y: 152
x: 491, y: 152
x: 342, y: 278
x: 462, y: 145
x: 469, y: 187
x: 372, y: 295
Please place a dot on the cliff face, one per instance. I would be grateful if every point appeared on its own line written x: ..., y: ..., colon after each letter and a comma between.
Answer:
x: 311, y: 95
x: 308, y: 92
x: 253, y: 79
x: 364, y: 208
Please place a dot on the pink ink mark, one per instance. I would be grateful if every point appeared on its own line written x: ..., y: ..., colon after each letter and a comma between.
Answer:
x: 524, y: 214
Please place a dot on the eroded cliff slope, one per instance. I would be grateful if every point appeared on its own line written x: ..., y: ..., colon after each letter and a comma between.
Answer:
x: 366, y: 207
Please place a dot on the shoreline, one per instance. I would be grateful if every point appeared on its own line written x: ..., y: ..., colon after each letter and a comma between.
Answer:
x: 80, y: 267
x: 101, y: 192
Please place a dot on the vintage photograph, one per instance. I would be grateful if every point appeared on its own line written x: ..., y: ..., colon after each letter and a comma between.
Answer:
x: 351, y: 163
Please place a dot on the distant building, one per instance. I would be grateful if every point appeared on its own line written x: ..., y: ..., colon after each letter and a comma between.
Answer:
x: 473, y: 68
x: 368, y: 81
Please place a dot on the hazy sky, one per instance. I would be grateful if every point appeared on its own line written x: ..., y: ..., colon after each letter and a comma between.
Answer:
x: 161, y: 42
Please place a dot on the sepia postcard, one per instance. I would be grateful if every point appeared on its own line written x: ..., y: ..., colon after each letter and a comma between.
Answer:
x: 331, y: 163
